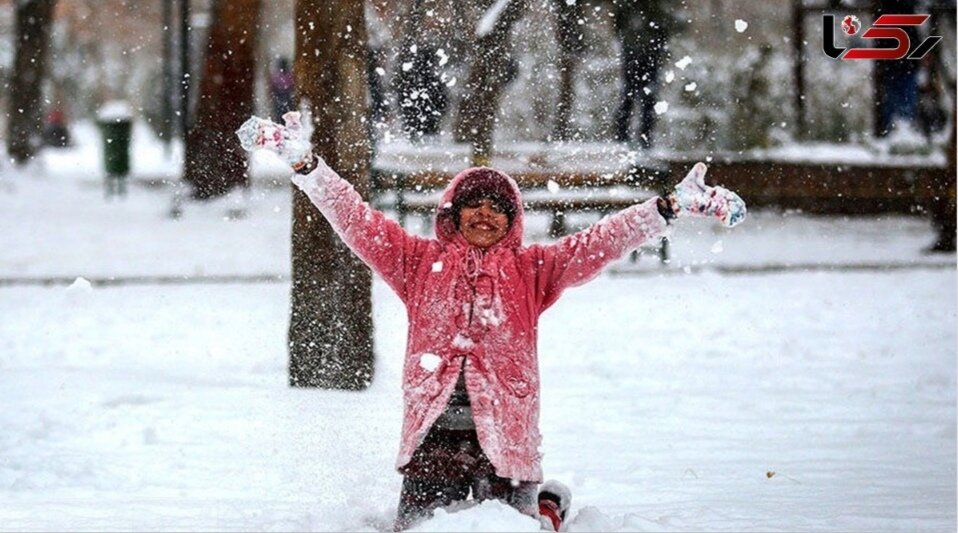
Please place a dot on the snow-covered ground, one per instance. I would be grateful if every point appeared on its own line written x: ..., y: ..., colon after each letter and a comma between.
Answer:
x: 708, y: 394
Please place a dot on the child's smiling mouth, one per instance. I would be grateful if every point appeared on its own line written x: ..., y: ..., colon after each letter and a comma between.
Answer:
x: 484, y: 226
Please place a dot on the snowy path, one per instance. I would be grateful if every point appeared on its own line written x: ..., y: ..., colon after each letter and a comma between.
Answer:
x: 65, y: 229
x: 135, y: 408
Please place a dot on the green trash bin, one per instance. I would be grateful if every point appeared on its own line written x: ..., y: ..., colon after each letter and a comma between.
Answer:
x: 116, y: 125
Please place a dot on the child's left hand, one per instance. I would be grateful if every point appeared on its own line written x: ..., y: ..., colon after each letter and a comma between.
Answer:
x: 694, y: 198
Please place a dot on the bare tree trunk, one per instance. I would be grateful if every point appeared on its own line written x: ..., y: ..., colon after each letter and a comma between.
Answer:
x: 215, y: 162
x: 562, y: 129
x: 944, y: 212
x: 25, y: 124
x: 330, y: 328
x: 489, y: 74
x: 798, y: 68
x: 571, y: 44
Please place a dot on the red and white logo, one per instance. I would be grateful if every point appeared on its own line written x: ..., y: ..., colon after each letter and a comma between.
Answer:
x: 851, y: 25
x: 888, y: 29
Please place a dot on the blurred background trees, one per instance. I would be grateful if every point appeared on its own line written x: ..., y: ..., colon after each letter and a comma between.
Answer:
x: 562, y: 65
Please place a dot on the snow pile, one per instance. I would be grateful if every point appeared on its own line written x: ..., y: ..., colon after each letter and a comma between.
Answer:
x: 487, y: 516
x: 78, y: 293
x: 115, y: 111
x: 80, y: 285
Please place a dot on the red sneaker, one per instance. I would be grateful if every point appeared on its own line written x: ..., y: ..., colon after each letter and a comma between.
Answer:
x: 554, y: 501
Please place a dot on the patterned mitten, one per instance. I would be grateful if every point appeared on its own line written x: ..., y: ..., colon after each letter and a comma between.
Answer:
x: 693, y: 197
x: 287, y: 141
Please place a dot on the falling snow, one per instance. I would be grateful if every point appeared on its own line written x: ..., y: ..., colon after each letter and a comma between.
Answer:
x: 748, y: 382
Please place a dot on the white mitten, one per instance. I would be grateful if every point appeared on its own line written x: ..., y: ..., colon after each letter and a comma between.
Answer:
x: 286, y: 141
x: 694, y: 198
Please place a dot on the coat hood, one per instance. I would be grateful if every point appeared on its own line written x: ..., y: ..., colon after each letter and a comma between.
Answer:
x: 485, y: 179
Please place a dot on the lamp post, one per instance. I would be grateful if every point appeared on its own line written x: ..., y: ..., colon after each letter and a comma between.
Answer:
x: 184, y: 67
x: 167, y: 125
x: 182, y: 96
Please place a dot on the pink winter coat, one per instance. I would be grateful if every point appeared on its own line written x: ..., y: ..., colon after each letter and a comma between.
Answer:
x: 476, y: 310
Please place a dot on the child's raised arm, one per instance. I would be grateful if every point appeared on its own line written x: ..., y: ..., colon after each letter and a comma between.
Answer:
x: 577, y: 258
x: 380, y: 242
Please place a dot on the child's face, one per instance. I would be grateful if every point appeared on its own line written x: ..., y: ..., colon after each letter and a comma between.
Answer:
x: 482, y: 223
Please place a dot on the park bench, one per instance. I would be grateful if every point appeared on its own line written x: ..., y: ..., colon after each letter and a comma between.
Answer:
x: 596, y: 177
x: 828, y: 178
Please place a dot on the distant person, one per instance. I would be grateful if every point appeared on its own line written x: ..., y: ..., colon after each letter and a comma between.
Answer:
x: 897, y: 79
x: 378, y: 37
x: 423, y: 96
x: 282, y: 87
x: 643, y: 28
x: 932, y: 116
x: 55, y: 131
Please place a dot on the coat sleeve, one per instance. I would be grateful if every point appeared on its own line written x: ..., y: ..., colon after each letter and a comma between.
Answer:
x: 577, y: 258
x: 379, y: 242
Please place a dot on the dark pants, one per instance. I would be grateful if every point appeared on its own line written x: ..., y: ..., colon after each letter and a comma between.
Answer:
x: 899, y: 95
x: 640, y: 71
x: 445, y: 468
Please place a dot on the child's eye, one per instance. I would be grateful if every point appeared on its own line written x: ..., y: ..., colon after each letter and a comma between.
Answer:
x: 494, y: 206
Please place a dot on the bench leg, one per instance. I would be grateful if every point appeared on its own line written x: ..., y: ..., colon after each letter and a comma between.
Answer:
x: 427, y: 223
x: 557, y: 228
x: 400, y: 208
x: 664, y: 251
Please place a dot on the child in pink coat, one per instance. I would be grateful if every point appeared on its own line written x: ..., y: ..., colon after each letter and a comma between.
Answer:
x: 473, y: 296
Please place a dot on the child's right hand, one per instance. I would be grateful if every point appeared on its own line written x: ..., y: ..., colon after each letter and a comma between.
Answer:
x: 288, y: 142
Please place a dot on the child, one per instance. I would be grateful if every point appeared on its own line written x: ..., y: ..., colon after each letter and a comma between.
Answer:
x: 473, y: 296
